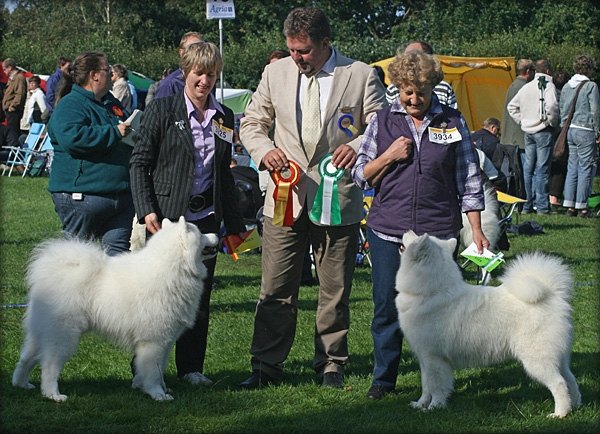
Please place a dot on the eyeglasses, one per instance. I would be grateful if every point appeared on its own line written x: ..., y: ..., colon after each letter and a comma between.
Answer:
x: 104, y: 69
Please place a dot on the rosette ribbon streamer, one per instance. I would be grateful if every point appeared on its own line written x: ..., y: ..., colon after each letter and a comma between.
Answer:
x: 346, y: 124
x: 284, y: 180
x: 326, y: 208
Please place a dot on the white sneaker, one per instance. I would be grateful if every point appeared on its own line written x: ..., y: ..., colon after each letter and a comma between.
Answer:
x: 197, y: 378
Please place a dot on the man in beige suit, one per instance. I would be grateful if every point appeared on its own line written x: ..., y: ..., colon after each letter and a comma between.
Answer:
x: 345, y: 87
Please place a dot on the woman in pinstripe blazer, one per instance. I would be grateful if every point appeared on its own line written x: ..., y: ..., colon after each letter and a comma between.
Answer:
x: 180, y: 166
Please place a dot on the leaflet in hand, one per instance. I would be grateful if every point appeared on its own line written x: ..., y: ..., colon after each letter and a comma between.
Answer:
x: 487, y: 260
x: 134, y: 120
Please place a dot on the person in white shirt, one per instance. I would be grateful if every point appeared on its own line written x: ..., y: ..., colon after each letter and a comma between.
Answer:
x: 36, y: 108
x: 535, y: 109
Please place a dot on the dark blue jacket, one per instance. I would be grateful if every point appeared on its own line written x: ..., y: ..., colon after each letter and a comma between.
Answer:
x: 52, y: 88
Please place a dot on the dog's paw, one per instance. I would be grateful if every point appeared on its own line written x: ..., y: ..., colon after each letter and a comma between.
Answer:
x: 58, y: 397
x: 556, y: 415
x: 163, y: 397
x: 436, y: 404
x: 418, y: 405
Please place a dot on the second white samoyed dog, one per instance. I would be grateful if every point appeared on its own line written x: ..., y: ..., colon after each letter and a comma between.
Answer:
x: 142, y: 301
x: 450, y: 324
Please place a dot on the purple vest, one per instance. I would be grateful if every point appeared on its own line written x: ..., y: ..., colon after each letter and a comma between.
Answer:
x: 419, y: 193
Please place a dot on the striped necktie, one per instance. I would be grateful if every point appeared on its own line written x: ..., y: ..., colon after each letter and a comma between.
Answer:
x: 311, y: 116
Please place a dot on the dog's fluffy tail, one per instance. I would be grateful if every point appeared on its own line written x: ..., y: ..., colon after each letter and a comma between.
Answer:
x: 52, y: 260
x: 534, y: 277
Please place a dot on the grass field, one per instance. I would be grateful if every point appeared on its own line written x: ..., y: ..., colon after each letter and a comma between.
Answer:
x: 500, y: 399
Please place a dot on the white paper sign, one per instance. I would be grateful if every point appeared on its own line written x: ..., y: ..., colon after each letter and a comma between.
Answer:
x: 217, y: 9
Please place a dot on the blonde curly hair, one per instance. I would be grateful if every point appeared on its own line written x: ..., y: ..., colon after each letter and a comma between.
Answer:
x: 415, y: 68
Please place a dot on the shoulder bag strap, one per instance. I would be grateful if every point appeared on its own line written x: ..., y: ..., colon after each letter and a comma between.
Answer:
x: 568, y: 122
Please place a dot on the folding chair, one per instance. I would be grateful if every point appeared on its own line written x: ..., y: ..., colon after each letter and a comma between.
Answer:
x: 508, y: 160
x: 40, y: 156
x: 508, y: 205
x: 21, y: 157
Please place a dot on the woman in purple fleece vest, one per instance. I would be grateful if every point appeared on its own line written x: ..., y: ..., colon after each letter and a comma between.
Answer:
x: 417, y: 154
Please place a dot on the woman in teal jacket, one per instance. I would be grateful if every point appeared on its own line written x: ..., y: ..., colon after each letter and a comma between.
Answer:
x: 89, y: 180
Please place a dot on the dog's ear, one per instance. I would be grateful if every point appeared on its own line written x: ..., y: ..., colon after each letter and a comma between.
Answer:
x: 166, y: 223
x: 451, y: 245
x: 408, y: 238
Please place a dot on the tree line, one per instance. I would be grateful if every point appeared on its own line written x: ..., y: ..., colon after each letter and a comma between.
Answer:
x: 145, y: 35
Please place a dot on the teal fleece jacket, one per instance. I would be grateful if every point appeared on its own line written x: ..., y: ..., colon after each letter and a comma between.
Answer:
x: 89, y: 156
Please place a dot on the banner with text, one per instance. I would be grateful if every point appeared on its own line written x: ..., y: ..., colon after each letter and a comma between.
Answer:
x: 220, y: 9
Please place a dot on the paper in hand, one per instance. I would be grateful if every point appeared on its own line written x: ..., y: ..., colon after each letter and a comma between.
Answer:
x: 134, y: 121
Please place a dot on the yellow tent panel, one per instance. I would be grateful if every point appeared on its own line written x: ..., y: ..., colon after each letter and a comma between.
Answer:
x: 480, y: 84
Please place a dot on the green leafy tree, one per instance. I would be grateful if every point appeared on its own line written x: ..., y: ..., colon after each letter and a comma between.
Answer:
x: 144, y: 35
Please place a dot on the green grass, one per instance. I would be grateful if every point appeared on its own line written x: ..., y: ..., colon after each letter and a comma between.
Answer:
x: 500, y: 399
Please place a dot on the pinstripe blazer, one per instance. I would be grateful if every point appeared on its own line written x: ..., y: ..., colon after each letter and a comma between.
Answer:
x: 162, y: 164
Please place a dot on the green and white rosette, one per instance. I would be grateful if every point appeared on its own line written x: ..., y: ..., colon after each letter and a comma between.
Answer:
x: 326, y: 208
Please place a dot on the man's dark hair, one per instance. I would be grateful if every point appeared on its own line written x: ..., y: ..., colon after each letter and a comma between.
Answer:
x: 62, y: 61
x: 425, y: 47
x: 543, y: 66
x: 309, y: 20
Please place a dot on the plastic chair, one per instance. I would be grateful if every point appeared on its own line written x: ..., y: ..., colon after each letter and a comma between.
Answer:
x: 508, y: 205
x: 21, y: 157
x: 40, y: 155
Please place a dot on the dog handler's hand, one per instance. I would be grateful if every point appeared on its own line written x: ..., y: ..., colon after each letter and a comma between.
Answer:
x: 275, y: 160
x: 480, y: 241
x: 478, y: 237
x: 152, y: 223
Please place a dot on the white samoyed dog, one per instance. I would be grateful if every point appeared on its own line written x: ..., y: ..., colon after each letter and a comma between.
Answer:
x: 142, y: 301
x: 450, y: 324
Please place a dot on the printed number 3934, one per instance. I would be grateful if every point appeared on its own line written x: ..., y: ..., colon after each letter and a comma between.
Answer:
x: 442, y: 136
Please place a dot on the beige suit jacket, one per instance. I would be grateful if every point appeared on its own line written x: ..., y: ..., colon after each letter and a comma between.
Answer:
x: 355, y: 90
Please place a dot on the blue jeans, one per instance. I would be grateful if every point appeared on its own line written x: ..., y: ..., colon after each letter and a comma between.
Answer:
x: 108, y: 217
x: 538, y: 153
x: 582, y: 148
x: 385, y: 329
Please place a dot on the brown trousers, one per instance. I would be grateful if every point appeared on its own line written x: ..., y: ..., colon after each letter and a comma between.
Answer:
x: 275, y: 319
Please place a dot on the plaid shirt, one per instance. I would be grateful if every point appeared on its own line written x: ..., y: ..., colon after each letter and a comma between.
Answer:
x: 468, y: 176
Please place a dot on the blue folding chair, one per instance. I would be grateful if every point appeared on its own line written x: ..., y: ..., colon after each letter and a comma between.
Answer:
x: 22, y: 157
x: 39, y: 158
